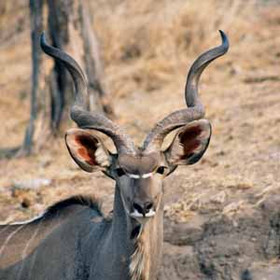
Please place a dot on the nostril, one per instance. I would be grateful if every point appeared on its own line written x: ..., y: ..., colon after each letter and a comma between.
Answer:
x: 149, y: 205
x: 138, y: 207
x: 143, y: 208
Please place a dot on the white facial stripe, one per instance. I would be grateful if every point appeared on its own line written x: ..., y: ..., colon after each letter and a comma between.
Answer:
x: 147, y: 175
x: 136, y: 176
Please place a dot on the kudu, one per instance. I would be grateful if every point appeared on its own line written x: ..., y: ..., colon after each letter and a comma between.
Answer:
x: 73, y: 239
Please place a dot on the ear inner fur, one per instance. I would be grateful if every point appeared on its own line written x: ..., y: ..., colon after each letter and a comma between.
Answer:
x: 189, y: 140
x: 190, y: 143
x: 87, y: 150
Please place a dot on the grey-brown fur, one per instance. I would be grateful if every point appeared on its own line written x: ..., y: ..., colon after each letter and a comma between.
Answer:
x: 34, y: 249
x: 73, y: 240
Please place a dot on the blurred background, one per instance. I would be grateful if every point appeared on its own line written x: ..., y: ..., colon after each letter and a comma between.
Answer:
x: 141, y: 51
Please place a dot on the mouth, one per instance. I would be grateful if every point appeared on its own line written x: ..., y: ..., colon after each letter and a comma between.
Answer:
x: 141, y: 217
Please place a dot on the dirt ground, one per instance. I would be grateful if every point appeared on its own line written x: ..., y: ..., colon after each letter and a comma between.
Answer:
x: 236, y: 185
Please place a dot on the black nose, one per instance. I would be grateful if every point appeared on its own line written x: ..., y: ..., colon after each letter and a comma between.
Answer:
x: 143, y: 208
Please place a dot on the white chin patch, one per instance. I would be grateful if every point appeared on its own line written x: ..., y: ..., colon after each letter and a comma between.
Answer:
x: 136, y: 215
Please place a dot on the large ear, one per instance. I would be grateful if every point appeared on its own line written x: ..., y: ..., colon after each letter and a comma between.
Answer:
x: 87, y: 150
x: 189, y: 144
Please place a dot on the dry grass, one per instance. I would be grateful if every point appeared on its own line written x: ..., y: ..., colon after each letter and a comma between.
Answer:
x: 147, y: 47
x: 147, y: 43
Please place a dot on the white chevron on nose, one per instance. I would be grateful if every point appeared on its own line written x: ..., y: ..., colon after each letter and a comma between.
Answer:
x: 137, y: 176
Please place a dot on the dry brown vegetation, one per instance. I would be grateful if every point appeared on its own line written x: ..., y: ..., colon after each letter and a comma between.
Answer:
x: 147, y: 48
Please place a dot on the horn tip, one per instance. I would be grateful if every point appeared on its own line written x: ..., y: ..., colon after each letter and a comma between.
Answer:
x: 43, y: 40
x: 225, y: 41
x: 43, y: 37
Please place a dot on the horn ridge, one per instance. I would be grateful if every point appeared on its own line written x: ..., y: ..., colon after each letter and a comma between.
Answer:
x: 195, y: 109
x: 191, y: 88
x: 83, y: 118
x: 78, y: 76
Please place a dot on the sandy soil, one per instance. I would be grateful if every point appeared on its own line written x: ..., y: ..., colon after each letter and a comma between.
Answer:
x: 241, y: 168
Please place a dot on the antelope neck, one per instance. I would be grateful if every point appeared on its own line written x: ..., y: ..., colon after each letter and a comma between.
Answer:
x: 141, y: 243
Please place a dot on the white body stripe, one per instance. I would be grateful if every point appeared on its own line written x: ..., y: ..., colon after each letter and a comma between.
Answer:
x: 9, y: 238
x: 24, y: 252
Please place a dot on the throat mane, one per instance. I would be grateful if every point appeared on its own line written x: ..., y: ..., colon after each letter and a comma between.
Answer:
x: 139, y: 267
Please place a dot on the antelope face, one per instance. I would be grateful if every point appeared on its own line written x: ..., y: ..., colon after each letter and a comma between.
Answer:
x: 140, y: 181
x: 139, y: 176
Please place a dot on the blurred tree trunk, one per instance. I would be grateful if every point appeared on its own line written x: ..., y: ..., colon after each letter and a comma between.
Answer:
x: 69, y: 28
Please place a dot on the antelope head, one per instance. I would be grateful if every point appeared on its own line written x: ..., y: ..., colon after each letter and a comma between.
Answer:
x: 138, y: 171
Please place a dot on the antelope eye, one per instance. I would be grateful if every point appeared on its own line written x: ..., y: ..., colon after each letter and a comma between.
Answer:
x: 120, y: 172
x: 160, y: 170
